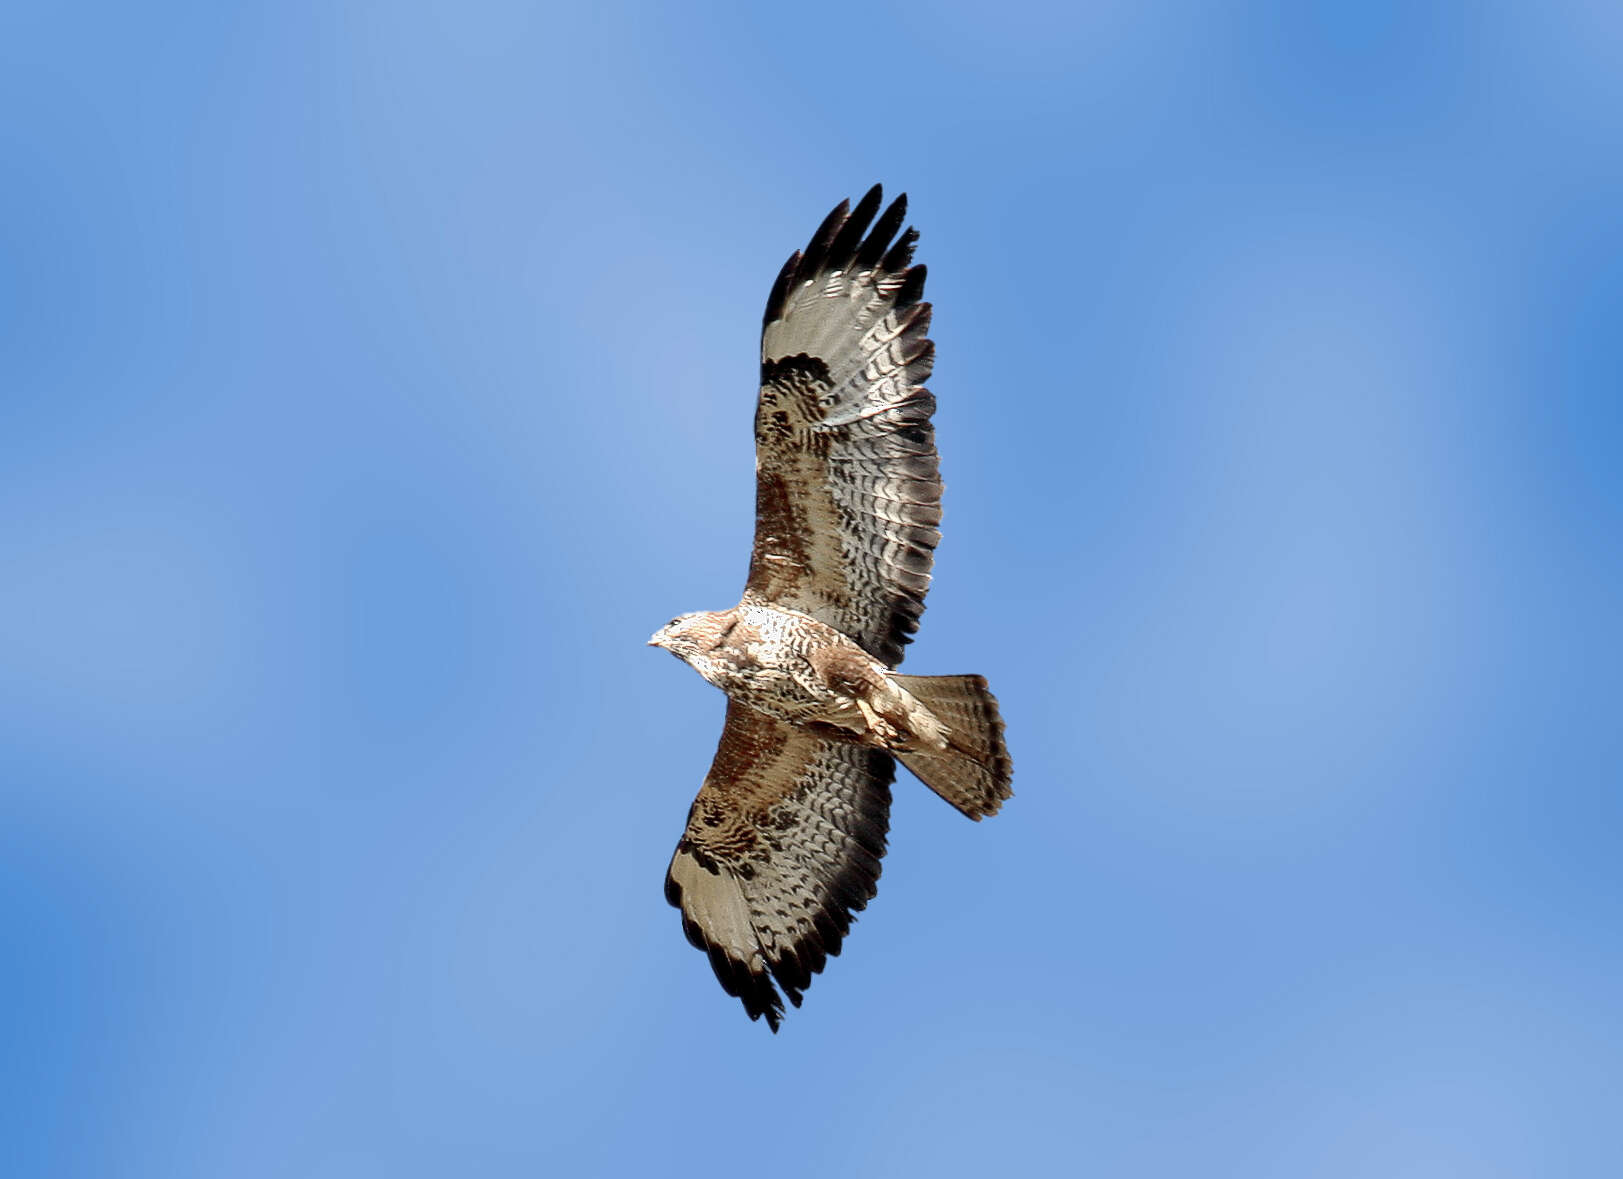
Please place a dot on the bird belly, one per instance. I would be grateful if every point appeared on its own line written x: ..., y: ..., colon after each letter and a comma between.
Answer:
x: 773, y: 665
x: 780, y: 692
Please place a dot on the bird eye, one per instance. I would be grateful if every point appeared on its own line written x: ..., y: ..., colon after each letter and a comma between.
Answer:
x: 674, y: 621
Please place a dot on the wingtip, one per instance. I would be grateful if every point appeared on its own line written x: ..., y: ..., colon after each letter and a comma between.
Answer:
x: 817, y: 248
x: 900, y: 253
x: 912, y: 285
x: 779, y: 296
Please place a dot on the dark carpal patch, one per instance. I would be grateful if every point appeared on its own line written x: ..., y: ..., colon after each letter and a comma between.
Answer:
x: 794, y: 372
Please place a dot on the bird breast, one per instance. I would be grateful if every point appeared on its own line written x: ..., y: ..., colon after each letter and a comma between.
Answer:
x: 772, y: 660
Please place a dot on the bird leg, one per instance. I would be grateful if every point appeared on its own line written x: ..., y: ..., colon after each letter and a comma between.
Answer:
x: 884, y: 734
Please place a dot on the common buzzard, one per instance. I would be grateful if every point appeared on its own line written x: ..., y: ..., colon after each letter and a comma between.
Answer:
x: 784, y: 840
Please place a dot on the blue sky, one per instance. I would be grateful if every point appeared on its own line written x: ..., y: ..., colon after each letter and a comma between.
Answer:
x: 374, y: 378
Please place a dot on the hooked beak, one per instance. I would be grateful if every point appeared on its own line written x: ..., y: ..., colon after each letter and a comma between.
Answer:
x: 655, y: 641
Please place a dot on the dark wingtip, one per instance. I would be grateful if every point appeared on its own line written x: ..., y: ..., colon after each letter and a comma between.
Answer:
x: 760, y: 998
x: 779, y: 298
x: 840, y: 244
x: 817, y: 248
x: 843, y: 250
x: 884, y: 229
x: 899, y: 206
x: 900, y: 254
x: 912, y: 286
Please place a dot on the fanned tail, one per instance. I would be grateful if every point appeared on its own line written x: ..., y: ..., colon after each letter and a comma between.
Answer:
x: 974, y: 772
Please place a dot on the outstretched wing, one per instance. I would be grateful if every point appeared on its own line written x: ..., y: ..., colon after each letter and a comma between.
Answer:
x: 848, y: 492
x: 782, y: 845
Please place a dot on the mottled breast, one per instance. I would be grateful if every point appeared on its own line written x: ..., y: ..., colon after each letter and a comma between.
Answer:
x: 776, y: 658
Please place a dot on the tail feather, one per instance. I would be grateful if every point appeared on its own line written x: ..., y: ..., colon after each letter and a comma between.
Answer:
x: 974, y: 772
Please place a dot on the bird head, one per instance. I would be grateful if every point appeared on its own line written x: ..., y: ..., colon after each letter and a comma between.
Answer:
x: 687, y: 635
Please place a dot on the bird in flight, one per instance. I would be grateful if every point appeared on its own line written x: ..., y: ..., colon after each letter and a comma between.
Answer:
x: 784, y: 840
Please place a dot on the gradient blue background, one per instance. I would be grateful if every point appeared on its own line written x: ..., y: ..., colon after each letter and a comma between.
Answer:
x: 374, y: 378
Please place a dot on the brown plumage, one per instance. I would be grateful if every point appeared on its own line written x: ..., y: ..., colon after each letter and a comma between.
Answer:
x: 784, y: 841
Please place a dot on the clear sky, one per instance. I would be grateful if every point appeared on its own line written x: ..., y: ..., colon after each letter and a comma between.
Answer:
x: 374, y: 378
